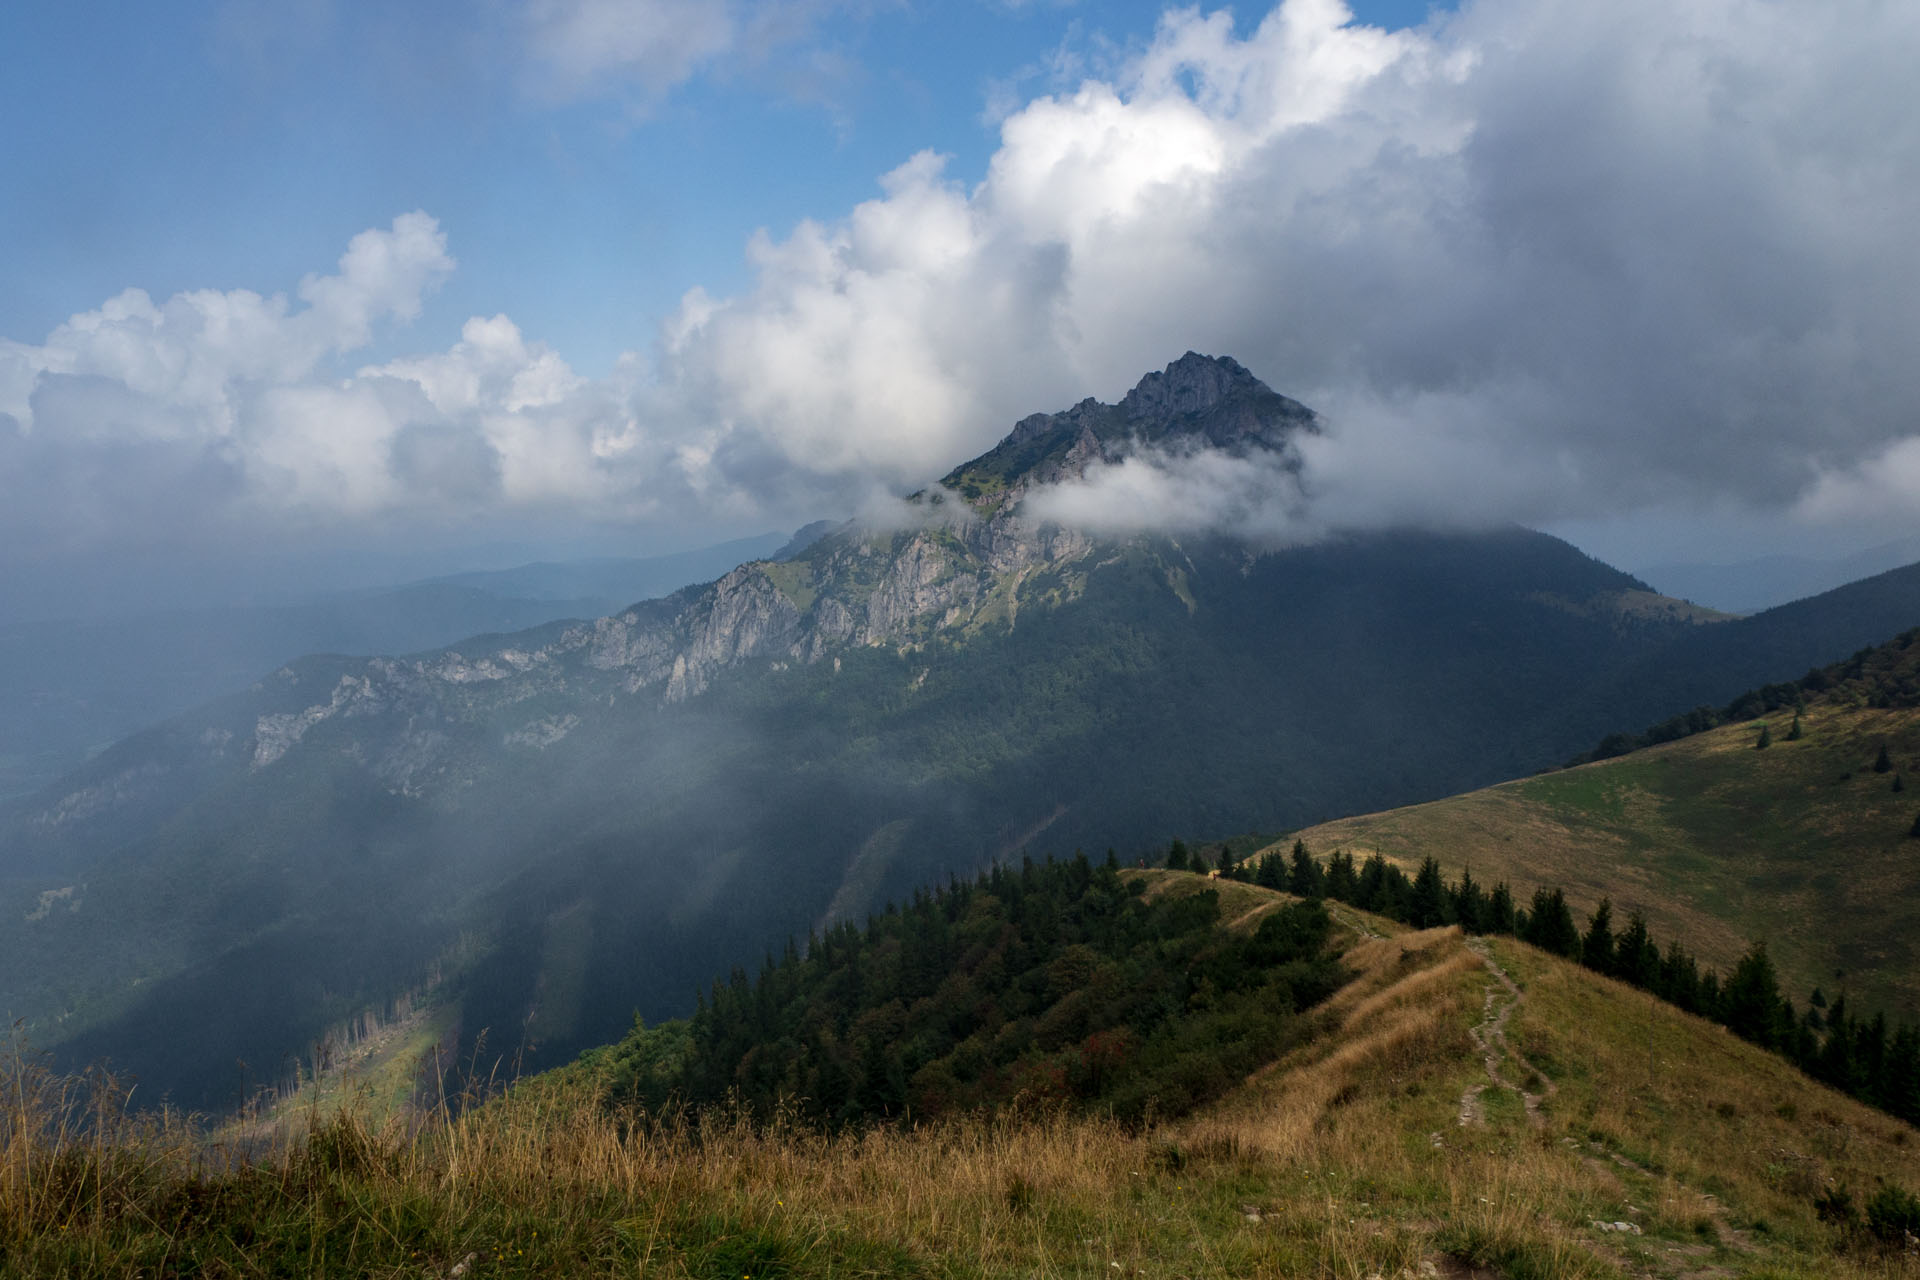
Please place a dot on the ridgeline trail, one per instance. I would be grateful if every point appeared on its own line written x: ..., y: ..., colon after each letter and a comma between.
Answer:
x: 1490, y: 1035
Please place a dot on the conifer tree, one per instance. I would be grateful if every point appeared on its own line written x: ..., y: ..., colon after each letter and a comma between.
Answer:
x: 1750, y: 1002
x: 1635, y: 958
x: 1793, y: 734
x: 1914, y: 831
x: 1596, y: 948
x: 1177, y: 856
x: 1680, y: 979
x: 1870, y: 1057
x: 1271, y: 874
x: 1898, y: 786
x: 1427, y: 903
x: 1835, y: 1063
x: 1468, y: 904
x: 1500, y: 914
x: 1550, y: 924
x: 1766, y: 737
x: 1396, y: 892
x: 1902, y: 1087
x: 1372, y: 894
x: 1304, y: 878
x: 1343, y: 884
x: 1882, y: 763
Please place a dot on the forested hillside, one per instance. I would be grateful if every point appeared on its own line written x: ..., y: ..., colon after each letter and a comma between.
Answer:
x: 1053, y: 982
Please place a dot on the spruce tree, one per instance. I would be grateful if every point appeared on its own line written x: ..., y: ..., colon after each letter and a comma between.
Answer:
x: 1898, y: 786
x: 1500, y: 916
x: 1914, y: 831
x: 1882, y: 763
x: 1305, y: 878
x: 1468, y: 904
x: 1271, y: 875
x: 1395, y: 893
x: 1596, y: 949
x: 1550, y: 924
x: 1177, y: 856
x: 1751, y: 999
x: 1793, y: 734
x: 1635, y: 958
x: 1427, y: 903
x: 1902, y: 1088
x: 1343, y: 885
x: 1766, y: 737
x: 1372, y: 894
x: 1835, y: 1063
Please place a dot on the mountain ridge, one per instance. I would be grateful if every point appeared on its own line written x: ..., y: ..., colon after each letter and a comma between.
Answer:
x: 1197, y: 402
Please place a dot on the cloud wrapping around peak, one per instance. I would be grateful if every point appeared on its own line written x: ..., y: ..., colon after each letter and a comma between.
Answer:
x: 1536, y: 259
x: 1577, y: 261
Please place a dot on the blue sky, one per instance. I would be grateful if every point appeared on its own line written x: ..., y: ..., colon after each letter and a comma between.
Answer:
x: 440, y: 283
x: 231, y: 145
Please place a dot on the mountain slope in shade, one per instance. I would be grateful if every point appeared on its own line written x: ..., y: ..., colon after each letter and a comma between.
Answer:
x: 563, y: 825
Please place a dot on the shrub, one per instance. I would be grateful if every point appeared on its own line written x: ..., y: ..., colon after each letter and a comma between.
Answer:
x: 1893, y: 1214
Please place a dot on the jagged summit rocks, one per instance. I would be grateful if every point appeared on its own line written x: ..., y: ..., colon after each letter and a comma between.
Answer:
x: 1196, y: 385
x: 1197, y: 402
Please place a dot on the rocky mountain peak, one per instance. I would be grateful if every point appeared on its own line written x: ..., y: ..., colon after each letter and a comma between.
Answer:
x: 1190, y: 385
x: 1197, y: 402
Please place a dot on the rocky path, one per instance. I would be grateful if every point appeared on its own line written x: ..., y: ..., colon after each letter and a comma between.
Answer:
x: 1499, y: 1057
x: 1690, y: 1261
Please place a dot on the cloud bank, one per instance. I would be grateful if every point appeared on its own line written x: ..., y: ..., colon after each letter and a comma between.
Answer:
x: 1539, y: 258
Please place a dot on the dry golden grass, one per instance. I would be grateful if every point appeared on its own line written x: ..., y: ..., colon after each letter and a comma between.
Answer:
x: 1716, y: 843
x: 1347, y: 1159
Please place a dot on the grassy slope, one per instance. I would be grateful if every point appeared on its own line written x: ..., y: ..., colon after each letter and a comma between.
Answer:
x: 1716, y: 842
x: 1347, y: 1159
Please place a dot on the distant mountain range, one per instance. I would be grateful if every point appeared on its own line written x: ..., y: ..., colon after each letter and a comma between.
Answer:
x: 69, y: 688
x: 1749, y: 586
x: 551, y: 829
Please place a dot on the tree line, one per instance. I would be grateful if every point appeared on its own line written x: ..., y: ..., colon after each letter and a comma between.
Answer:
x: 1861, y: 1055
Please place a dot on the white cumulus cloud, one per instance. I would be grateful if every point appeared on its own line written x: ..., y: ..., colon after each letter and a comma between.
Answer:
x: 1570, y: 258
x: 1536, y: 259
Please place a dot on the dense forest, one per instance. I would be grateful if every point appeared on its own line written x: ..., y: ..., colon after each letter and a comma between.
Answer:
x: 1051, y: 982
